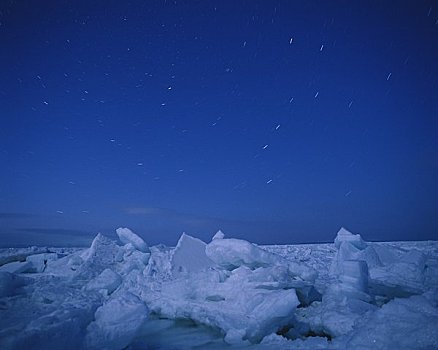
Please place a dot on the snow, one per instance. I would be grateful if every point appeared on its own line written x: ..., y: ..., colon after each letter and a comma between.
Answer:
x: 229, y: 293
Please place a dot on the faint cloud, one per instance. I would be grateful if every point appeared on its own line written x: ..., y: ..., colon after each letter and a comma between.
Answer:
x: 184, y: 220
x: 147, y: 211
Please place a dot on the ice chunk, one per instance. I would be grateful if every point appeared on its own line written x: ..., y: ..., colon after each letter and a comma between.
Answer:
x: 404, y: 277
x: 116, y: 323
x: 241, y: 311
x: 244, y: 304
x: 346, y: 236
x: 159, y: 266
x: 354, y: 275
x: 19, y: 254
x: 346, y: 300
x: 189, y: 255
x: 231, y: 253
x: 336, y: 314
x: 9, y: 282
x: 133, y: 260
x: 108, y: 280
x: 39, y: 261
x: 349, y: 249
x: 388, y: 254
x: 236, y: 336
x: 307, y: 294
x: 127, y: 236
x: 17, y: 267
x: 274, y: 341
x: 54, y: 316
x: 102, y: 254
x: 409, y: 323
x: 219, y: 235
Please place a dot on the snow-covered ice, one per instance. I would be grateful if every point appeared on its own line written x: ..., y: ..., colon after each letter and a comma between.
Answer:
x: 229, y: 293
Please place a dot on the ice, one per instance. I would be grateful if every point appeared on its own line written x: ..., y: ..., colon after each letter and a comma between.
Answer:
x: 218, y: 235
x: 108, y: 281
x: 275, y: 341
x: 235, y: 309
x: 47, y: 314
x: 103, y: 253
x: 346, y: 299
x: 253, y: 298
x: 354, y: 275
x: 229, y: 293
x: 128, y: 259
x: 116, y: 323
x: 344, y: 235
x: 39, y: 261
x: 231, y: 253
x: 16, y: 267
x: 401, y: 278
x: 19, y: 254
x: 352, y: 247
x: 9, y: 283
x: 406, y: 324
x: 189, y: 255
x: 127, y: 236
x: 159, y: 266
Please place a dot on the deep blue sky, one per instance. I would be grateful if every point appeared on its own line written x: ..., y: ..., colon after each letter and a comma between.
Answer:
x: 275, y: 121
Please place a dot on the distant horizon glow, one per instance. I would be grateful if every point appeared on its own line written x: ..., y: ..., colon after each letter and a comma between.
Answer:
x: 276, y: 122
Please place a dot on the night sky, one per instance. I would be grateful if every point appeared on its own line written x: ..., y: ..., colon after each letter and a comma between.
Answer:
x: 275, y: 121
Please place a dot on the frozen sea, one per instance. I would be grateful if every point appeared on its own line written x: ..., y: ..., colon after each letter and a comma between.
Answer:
x: 227, y: 293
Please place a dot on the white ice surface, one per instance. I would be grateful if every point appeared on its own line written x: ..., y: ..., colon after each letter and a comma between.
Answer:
x: 227, y: 294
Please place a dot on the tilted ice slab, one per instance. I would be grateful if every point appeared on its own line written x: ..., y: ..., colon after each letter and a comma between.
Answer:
x: 189, y: 255
x: 126, y: 236
x: 402, y: 278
